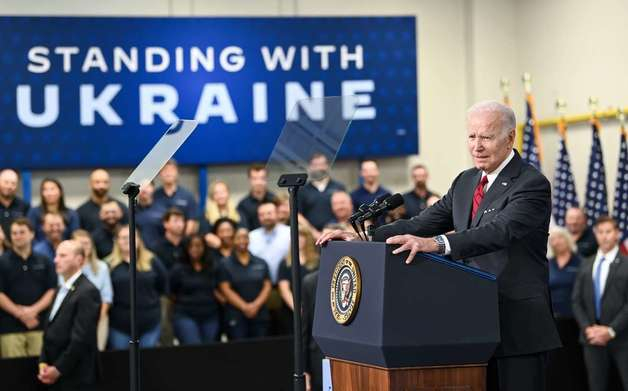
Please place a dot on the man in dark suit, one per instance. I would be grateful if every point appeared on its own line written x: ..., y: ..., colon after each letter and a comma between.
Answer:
x: 499, y: 213
x: 600, y: 306
x: 68, y: 359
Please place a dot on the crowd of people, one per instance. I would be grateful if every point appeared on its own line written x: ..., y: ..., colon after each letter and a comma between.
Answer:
x: 220, y: 274
x: 224, y: 273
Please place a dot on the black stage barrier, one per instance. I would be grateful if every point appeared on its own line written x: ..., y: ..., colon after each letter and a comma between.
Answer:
x: 262, y: 364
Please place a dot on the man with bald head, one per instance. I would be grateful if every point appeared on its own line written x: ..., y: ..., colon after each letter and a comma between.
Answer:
x: 89, y: 211
x: 11, y: 206
x: 69, y: 354
x: 581, y: 233
x: 495, y: 217
x: 370, y: 189
x: 342, y: 208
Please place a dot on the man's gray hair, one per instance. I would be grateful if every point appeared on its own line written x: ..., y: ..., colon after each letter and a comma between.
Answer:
x: 507, y: 117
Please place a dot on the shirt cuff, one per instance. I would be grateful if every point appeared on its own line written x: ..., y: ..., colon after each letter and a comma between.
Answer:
x: 447, y: 246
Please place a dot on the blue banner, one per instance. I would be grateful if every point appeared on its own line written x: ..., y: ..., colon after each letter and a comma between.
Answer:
x: 87, y: 92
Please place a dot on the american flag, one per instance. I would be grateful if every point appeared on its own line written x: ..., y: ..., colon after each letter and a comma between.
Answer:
x: 596, y: 202
x: 564, y: 195
x: 530, y: 149
x: 620, y: 211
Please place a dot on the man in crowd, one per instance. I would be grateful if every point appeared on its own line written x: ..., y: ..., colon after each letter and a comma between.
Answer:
x: 170, y: 249
x: 68, y: 360
x: 342, y: 208
x: 600, y: 305
x: 89, y: 211
x: 148, y: 217
x: 258, y: 194
x: 11, y: 206
x: 499, y: 213
x: 53, y: 227
x: 27, y: 283
x: 110, y: 217
x: 173, y: 195
x: 370, y: 188
x: 576, y: 224
x: 417, y: 199
x: 315, y: 197
x: 271, y: 241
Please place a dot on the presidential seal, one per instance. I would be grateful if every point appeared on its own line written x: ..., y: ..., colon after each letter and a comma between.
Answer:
x: 346, y: 288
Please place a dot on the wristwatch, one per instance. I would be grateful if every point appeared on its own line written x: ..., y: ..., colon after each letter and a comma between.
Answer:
x: 612, y: 333
x: 440, y: 241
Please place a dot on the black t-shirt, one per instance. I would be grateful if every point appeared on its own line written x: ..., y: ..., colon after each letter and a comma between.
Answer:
x: 150, y: 285
x: 103, y: 241
x: 285, y: 272
x: 193, y: 291
x: 24, y: 282
x: 415, y: 204
x: 248, y: 210
x: 169, y: 254
x: 17, y: 208
x: 89, y: 214
x: 316, y: 205
x: 247, y: 281
x: 587, y: 245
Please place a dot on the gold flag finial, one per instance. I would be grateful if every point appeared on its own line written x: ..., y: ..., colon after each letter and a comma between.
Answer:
x: 527, y: 82
x: 621, y: 117
x: 504, y: 85
x: 594, y: 103
x: 561, y: 108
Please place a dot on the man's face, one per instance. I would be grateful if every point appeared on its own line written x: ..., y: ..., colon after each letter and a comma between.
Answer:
x: 175, y: 225
x: 575, y: 221
x: 419, y: 177
x: 169, y: 174
x: 146, y: 194
x: 67, y: 261
x: 21, y: 236
x: 53, y: 227
x: 369, y: 172
x: 283, y: 212
x: 8, y: 184
x: 319, y: 168
x: 258, y: 180
x: 341, y: 206
x: 100, y: 182
x: 267, y: 214
x: 487, y: 143
x: 110, y: 214
x: 607, y: 236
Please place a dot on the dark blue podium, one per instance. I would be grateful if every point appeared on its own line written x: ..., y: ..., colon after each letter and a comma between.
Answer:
x: 430, y: 325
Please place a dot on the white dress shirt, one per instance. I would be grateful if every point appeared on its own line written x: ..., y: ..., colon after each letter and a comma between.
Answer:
x: 609, y: 257
x: 63, y: 292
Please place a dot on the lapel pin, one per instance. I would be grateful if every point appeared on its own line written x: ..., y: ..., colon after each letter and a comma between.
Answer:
x: 504, y: 184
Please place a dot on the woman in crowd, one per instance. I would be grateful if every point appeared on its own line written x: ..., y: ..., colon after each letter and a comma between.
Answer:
x: 152, y: 282
x: 220, y: 240
x: 219, y: 204
x: 308, y: 262
x: 196, y: 300
x: 97, y: 272
x: 4, y: 243
x: 566, y: 366
x: 53, y: 200
x: 244, y: 280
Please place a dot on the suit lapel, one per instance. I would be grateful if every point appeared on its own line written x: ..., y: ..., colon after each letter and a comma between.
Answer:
x: 612, y: 271
x: 67, y: 297
x: 469, y: 188
x: 502, y: 183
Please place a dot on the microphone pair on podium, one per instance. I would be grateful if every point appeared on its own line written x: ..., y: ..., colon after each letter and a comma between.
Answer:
x: 365, y: 212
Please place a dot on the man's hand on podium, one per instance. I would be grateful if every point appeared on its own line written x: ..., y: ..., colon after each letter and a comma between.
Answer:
x: 336, y: 235
x: 414, y: 244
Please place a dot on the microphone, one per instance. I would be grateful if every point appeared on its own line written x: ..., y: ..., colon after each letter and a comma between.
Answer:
x: 364, y: 208
x: 390, y: 203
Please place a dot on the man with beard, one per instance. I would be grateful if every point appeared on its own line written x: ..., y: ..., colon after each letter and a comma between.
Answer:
x: 172, y: 195
x: 89, y: 211
x: 417, y: 199
x: 110, y: 217
x: 370, y: 189
x: 11, y: 206
x: 315, y: 198
x: 53, y: 227
x: 258, y: 194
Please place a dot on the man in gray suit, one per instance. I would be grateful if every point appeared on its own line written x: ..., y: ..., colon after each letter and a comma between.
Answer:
x: 499, y: 213
x: 600, y: 306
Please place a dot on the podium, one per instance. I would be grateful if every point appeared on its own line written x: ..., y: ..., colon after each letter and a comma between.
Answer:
x: 429, y: 326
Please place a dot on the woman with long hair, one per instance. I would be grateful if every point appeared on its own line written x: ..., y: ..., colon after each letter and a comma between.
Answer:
x: 244, y: 280
x: 219, y: 203
x: 4, y: 243
x: 193, y: 290
x: 97, y: 272
x: 152, y: 283
x: 308, y: 263
x: 53, y: 201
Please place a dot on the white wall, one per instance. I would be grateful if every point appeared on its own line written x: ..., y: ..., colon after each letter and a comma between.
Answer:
x: 572, y: 48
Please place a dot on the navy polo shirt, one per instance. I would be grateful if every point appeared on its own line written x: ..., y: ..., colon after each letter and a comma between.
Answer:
x: 148, y: 220
x: 285, y: 272
x: 181, y: 199
x: 17, y: 208
x: 561, y: 285
x: 247, y: 207
x: 361, y: 196
x: 89, y: 214
x: 316, y: 205
x: 193, y: 290
x: 169, y: 254
x: 247, y: 281
x: 415, y: 204
x: 24, y: 282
